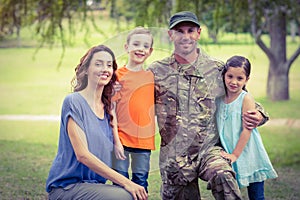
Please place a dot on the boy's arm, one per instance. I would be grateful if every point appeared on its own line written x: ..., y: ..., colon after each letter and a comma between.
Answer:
x: 118, y: 147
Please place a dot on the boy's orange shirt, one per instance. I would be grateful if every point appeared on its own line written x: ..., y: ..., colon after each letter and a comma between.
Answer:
x: 135, y: 108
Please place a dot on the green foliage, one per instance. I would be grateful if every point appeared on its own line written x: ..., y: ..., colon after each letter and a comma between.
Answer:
x: 56, y: 22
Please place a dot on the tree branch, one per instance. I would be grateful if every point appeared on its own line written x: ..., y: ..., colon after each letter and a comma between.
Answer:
x: 262, y: 45
x: 256, y: 32
x: 293, y: 57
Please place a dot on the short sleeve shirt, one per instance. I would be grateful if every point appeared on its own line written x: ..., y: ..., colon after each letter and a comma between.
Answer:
x: 65, y: 168
x: 135, y: 108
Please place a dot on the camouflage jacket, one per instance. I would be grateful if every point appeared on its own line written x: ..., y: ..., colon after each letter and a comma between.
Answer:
x: 185, y: 108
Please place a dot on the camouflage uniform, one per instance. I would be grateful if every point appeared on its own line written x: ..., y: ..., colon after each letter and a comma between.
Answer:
x: 185, y: 107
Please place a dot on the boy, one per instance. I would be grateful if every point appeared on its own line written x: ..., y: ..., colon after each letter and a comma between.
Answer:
x: 135, y: 109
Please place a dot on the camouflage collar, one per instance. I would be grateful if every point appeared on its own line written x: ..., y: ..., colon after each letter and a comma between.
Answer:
x: 192, y: 69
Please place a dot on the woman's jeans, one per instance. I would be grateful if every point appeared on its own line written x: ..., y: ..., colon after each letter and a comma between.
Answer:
x: 140, y: 165
x: 256, y: 191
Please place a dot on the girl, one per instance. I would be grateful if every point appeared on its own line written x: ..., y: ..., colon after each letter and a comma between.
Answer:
x: 244, y: 147
x: 83, y: 160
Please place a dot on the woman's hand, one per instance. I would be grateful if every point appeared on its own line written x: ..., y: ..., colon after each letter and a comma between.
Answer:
x: 138, y: 192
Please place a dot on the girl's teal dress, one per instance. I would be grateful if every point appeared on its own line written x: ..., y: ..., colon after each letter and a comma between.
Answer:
x: 253, y: 165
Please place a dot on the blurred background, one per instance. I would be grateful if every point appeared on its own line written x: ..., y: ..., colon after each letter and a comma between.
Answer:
x: 42, y: 41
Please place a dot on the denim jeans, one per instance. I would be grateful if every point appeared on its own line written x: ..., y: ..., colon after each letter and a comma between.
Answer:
x: 256, y: 191
x: 140, y: 165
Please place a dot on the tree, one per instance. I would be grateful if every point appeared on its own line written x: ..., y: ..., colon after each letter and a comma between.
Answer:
x: 50, y: 19
x: 11, y: 21
x: 262, y: 18
x: 265, y: 18
x: 53, y: 21
x: 272, y: 16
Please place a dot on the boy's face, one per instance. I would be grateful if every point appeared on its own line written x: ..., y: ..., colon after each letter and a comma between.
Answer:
x: 139, y: 48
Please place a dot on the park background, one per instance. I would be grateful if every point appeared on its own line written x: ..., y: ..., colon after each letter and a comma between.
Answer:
x: 35, y: 79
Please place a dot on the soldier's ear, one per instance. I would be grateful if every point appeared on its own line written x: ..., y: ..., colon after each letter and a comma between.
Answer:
x: 171, y: 35
x: 199, y: 32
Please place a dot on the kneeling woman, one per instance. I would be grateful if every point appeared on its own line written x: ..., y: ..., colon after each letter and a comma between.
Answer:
x: 83, y: 161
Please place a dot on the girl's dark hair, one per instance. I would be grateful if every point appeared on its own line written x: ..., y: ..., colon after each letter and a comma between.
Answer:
x: 237, y: 61
x: 80, y: 80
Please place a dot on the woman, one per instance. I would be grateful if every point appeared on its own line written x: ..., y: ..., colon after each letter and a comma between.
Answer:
x: 83, y: 161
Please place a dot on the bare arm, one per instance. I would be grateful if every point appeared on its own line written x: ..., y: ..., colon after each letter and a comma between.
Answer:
x: 118, y: 147
x: 255, y: 117
x: 248, y: 104
x: 83, y: 155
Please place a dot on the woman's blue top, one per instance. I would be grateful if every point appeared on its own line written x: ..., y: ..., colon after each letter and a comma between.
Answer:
x: 65, y: 168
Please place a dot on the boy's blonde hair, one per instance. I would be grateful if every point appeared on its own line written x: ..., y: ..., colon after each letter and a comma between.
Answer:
x: 140, y: 30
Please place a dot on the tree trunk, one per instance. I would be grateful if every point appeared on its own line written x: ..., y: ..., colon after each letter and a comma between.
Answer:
x: 278, y: 77
x: 278, y: 82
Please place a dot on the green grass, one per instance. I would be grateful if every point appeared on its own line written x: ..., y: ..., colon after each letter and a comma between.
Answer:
x: 30, y: 86
x: 28, y: 148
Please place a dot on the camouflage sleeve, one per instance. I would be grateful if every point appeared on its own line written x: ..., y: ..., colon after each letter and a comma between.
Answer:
x: 265, y: 115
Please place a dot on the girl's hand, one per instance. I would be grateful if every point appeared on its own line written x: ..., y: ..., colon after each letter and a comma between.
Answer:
x: 119, y: 151
x: 138, y: 192
x: 228, y: 156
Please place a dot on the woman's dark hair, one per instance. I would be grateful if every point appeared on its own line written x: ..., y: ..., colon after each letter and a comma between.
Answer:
x: 237, y: 61
x: 80, y: 80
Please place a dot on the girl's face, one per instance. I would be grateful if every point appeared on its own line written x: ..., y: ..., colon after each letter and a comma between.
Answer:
x: 139, y: 48
x: 235, y: 79
x: 100, y: 70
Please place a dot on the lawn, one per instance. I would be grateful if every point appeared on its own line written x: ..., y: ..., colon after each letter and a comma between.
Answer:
x: 38, y: 87
x: 28, y: 148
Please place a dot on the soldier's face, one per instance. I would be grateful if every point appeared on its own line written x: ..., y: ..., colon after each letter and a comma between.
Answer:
x: 185, y: 36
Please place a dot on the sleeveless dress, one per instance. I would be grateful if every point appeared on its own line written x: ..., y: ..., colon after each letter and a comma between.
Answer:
x: 253, y: 165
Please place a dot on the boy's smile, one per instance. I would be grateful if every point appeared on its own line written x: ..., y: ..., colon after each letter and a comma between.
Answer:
x: 139, y: 48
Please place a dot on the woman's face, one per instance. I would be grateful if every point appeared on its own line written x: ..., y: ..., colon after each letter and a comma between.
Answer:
x: 100, y: 70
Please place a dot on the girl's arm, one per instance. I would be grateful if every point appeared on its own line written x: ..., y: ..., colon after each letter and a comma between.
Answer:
x: 255, y: 117
x: 83, y: 155
x: 248, y: 104
x: 118, y: 147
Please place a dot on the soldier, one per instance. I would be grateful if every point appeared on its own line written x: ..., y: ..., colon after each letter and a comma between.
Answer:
x: 186, y: 86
